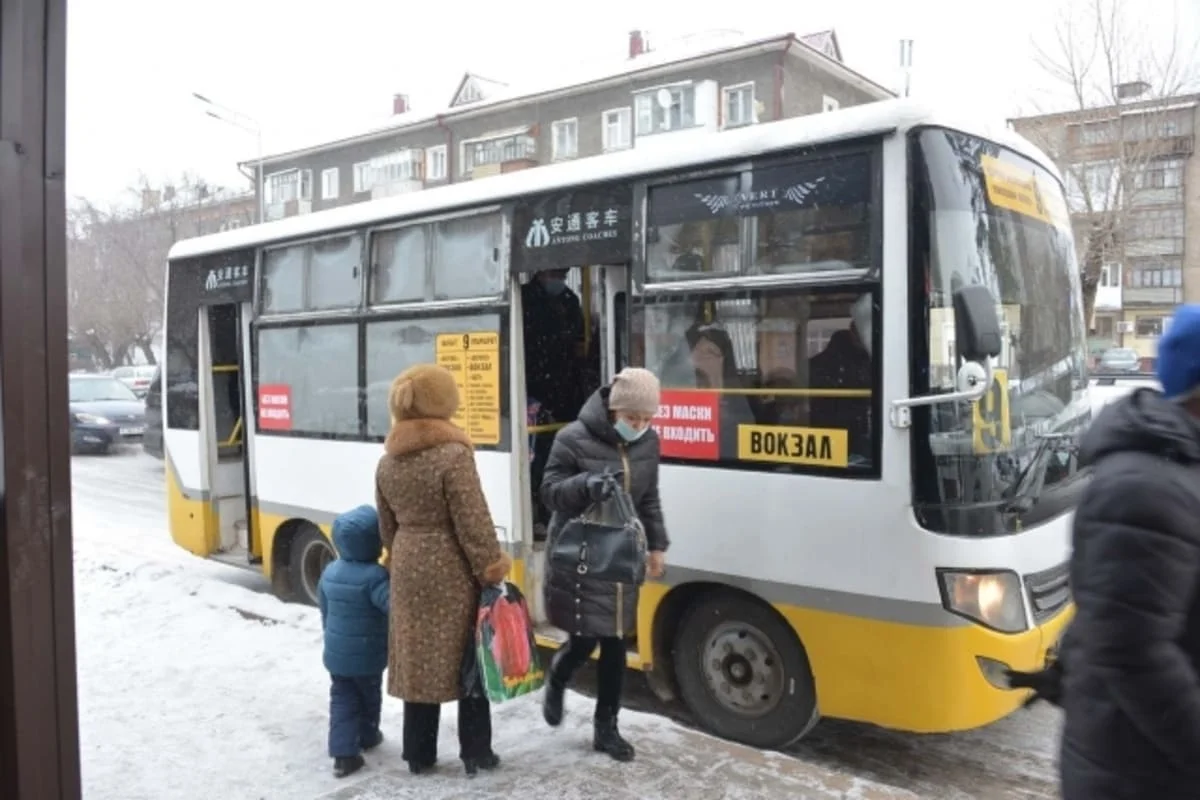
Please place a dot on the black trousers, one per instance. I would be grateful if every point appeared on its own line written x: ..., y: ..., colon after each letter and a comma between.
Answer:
x: 610, y: 669
x: 421, y: 722
x: 542, y: 442
x: 354, y: 706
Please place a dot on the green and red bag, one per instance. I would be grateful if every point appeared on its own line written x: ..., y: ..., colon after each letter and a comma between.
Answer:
x: 506, y: 654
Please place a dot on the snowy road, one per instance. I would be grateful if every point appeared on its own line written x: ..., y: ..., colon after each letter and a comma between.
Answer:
x: 196, y: 683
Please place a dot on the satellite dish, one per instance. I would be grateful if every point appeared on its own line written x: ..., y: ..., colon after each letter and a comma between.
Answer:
x: 664, y: 98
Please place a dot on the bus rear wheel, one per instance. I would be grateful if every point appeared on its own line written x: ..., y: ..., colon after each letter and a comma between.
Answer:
x: 744, y: 673
x: 311, y: 552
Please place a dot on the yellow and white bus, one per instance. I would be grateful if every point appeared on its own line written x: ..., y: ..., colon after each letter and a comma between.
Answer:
x: 854, y: 535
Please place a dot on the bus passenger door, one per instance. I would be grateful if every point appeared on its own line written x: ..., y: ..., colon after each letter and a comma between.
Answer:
x: 223, y: 427
x: 614, y: 322
x: 561, y: 356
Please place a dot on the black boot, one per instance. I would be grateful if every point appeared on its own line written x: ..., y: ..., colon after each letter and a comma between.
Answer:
x: 552, y: 697
x: 373, y: 742
x: 607, y: 739
x: 473, y: 765
x: 347, y: 765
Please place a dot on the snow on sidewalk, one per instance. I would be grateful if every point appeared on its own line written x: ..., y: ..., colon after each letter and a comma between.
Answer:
x: 194, y: 687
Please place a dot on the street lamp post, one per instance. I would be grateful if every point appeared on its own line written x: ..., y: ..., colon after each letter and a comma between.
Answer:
x: 249, y: 125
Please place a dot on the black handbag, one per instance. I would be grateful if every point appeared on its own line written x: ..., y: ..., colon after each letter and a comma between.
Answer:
x: 606, y: 543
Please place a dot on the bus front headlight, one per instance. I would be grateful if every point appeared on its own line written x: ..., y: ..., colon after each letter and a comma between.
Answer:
x: 992, y: 598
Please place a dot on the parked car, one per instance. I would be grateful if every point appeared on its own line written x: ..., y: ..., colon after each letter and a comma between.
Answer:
x: 153, y: 441
x: 138, y: 379
x: 104, y: 413
x: 1120, y: 359
x: 1104, y: 389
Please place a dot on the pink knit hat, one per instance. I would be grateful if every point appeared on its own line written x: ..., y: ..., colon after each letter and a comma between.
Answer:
x: 634, y: 390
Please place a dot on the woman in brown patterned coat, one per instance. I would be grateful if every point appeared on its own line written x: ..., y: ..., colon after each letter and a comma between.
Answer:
x: 434, y: 520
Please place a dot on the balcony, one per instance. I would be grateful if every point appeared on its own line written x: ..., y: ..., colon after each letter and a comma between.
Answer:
x: 1152, y: 296
x: 498, y: 155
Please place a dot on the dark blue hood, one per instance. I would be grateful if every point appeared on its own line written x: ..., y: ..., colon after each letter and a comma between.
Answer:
x: 356, y: 535
x: 116, y: 410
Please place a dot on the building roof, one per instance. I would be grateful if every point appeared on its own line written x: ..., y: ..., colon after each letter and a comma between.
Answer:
x: 821, y: 49
x: 1100, y: 113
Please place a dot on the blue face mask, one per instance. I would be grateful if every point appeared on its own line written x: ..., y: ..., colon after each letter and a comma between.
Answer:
x: 554, y: 286
x: 628, y: 432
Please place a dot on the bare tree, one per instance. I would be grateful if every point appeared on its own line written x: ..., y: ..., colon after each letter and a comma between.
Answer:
x: 117, y: 259
x: 1115, y: 82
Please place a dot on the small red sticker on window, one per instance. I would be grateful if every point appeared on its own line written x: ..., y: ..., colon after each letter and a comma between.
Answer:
x: 274, y: 407
x: 689, y: 424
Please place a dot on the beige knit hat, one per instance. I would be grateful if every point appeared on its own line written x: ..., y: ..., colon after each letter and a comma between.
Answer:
x: 634, y: 390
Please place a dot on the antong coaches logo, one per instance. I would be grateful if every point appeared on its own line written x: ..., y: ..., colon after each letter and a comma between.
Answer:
x: 226, y: 277
x: 579, y: 226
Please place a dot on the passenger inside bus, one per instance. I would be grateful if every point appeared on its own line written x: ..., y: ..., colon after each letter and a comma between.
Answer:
x: 845, y: 363
x: 706, y: 359
x: 764, y: 355
x: 555, y: 375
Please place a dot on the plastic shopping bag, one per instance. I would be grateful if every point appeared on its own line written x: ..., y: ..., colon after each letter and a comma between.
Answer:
x: 506, y: 655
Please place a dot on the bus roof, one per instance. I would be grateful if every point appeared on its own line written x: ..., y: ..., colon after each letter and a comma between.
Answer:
x: 869, y: 119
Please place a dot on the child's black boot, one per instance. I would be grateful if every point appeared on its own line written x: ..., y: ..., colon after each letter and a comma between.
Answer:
x: 347, y: 765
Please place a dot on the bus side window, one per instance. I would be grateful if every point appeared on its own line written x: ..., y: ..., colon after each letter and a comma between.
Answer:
x: 757, y: 379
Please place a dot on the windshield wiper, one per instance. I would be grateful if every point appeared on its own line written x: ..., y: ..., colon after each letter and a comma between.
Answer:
x: 1023, y: 503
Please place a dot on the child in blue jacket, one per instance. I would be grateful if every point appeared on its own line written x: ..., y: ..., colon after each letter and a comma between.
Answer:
x: 353, y: 595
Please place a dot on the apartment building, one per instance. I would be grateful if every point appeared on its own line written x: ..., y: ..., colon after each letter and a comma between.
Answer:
x: 1133, y: 179
x: 650, y: 100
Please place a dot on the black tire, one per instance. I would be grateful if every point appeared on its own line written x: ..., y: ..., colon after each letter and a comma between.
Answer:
x: 743, y: 673
x: 310, y: 553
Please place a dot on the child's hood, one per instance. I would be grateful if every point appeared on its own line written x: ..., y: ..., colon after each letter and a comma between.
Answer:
x: 356, y: 535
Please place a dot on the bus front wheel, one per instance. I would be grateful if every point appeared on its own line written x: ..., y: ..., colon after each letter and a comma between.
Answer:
x: 311, y: 552
x: 744, y: 673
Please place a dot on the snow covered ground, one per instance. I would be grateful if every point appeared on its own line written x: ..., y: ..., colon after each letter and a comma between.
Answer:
x: 196, y: 683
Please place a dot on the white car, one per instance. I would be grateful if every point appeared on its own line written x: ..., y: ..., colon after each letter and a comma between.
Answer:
x: 1104, y: 389
x: 136, y: 378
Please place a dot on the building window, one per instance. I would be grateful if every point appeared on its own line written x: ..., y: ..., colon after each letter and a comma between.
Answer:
x: 1166, y: 223
x: 1110, y: 275
x: 617, y: 130
x: 1148, y: 327
x: 669, y: 108
x: 1156, y: 274
x: 829, y: 103
x: 435, y: 163
x: 292, y: 184
x: 1164, y: 173
x: 738, y: 370
x: 1097, y: 133
x: 738, y: 105
x: 329, y: 183
x: 362, y: 177
x: 315, y: 368
x: 565, y: 139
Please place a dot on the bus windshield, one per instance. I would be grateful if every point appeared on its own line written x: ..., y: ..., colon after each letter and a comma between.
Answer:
x: 984, y: 214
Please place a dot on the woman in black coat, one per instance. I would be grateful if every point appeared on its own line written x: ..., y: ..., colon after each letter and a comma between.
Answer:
x: 613, y: 435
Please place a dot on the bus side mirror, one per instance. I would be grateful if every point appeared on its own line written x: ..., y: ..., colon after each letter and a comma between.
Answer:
x: 976, y: 324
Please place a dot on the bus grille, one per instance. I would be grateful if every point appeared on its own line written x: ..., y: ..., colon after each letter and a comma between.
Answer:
x: 1049, y: 591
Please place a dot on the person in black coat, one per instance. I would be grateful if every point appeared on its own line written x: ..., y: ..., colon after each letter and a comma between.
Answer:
x: 1129, y: 672
x: 612, y: 435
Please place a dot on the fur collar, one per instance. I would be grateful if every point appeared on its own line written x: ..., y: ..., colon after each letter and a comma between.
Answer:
x: 414, y: 435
